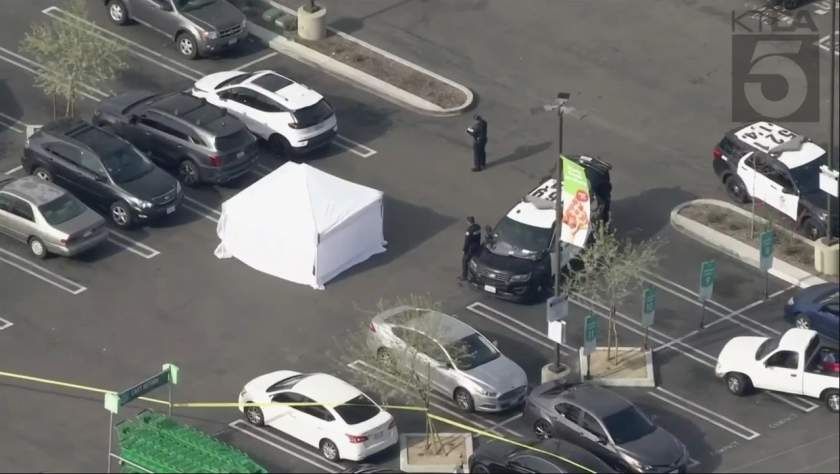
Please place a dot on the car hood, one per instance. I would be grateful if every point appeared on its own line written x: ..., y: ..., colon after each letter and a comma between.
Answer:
x: 119, y: 104
x: 740, y: 350
x: 211, y: 81
x: 500, y: 375
x: 815, y: 293
x: 261, y: 383
x: 505, y: 264
x: 150, y: 186
x: 659, y: 448
x: 216, y: 16
x: 80, y: 223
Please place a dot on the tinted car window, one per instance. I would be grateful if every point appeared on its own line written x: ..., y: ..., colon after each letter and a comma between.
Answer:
x: 234, y: 141
x: 189, y: 5
x: 91, y: 163
x: 157, y: 125
x: 522, y: 236
x: 628, y: 425
x: 784, y: 359
x: 17, y: 207
x: 272, y: 82
x: 426, y: 345
x: 832, y: 308
x: 471, y: 352
x: 126, y: 164
x: 62, y: 209
x: 314, y: 114
x: 766, y: 347
x: 591, y: 425
x: 358, y: 410
x: 69, y: 153
x: 807, y: 176
x: 571, y: 412
x: 287, y: 383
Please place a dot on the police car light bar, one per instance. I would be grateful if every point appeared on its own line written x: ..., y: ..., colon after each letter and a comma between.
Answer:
x: 828, y: 180
x: 540, y: 203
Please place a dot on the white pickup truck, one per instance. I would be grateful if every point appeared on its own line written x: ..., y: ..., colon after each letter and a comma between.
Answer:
x: 794, y: 363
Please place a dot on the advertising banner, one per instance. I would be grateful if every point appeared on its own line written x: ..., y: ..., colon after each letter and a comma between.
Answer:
x: 576, y: 204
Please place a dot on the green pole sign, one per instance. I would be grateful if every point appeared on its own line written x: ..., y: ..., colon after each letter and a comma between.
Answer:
x: 590, y: 334
x: 707, y: 280
x: 648, y: 307
x: 766, y: 250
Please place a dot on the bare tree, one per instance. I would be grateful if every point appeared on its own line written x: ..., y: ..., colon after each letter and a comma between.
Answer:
x: 608, y: 270
x: 72, y: 54
x: 398, y: 359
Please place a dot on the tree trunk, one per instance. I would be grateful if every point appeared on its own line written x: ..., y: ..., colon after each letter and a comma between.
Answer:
x: 609, y: 336
x: 55, y: 107
x: 614, y: 330
x: 67, y: 107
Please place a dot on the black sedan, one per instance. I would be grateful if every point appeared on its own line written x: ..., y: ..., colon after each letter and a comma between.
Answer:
x: 101, y: 169
x: 545, y: 456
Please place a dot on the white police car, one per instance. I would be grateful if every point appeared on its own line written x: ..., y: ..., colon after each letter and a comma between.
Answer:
x: 780, y: 168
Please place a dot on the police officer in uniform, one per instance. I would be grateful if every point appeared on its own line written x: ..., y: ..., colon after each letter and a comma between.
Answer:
x: 472, y: 244
x: 478, y: 131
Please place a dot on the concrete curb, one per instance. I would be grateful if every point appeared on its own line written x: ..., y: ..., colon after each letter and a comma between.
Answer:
x: 366, y: 81
x: 648, y: 381
x: 735, y: 248
x: 405, y: 466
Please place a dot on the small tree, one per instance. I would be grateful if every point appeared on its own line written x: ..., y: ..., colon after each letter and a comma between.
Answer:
x: 609, y: 270
x: 405, y: 372
x: 72, y: 54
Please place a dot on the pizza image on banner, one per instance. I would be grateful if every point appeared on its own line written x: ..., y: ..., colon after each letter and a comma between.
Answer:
x: 576, y: 205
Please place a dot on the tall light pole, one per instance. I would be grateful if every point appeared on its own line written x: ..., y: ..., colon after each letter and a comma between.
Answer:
x: 832, y: 159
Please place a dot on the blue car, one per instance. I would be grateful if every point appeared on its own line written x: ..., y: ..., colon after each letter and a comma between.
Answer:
x: 816, y: 308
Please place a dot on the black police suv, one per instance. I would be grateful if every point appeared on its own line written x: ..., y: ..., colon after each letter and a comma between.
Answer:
x: 184, y: 133
x: 517, y: 264
x: 101, y: 169
x: 770, y: 164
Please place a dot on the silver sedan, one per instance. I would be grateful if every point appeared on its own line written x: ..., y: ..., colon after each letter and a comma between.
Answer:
x: 47, y: 218
x: 462, y: 363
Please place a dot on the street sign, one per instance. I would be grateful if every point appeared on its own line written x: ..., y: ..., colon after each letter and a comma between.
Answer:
x: 557, y: 332
x: 648, y: 307
x: 557, y: 308
x: 590, y: 334
x: 766, y: 250
x: 707, y: 280
x: 168, y: 375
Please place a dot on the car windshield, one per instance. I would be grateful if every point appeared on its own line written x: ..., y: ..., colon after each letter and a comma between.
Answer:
x: 522, y: 236
x: 61, y: 210
x: 313, y: 115
x: 807, y: 176
x: 234, y: 141
x: 628, y: 425
x: 357, y: 410
x: 766, y: 347
x: 126, y: 164
x: 189, y: 5
x: 471, y: 352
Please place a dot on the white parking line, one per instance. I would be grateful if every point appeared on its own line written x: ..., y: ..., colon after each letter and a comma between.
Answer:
x: 361, y: 366
x: 748, y: 434
x: 481, y: 309
x: 38, y: 73
x: 503, y: 423
x: 14, y: 170
x: 42, y: 273
x: 825, y: 44
x: 5, y: 324
x: 340, y: 141
x: 324, y: 465
x: 258, y: 60
x: 132, y: 245
x: 11, y: 122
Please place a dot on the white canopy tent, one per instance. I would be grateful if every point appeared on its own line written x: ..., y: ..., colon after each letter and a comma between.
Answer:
x: 302, y: 225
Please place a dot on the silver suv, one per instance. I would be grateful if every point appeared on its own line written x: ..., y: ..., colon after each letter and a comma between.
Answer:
x: 199, y: 27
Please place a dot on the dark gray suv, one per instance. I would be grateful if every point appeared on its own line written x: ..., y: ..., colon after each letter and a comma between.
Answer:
x: 181, y: 132
x: 198, y: 27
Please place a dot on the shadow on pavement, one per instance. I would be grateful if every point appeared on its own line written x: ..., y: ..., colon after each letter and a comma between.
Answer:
x: 9, y: 107
x: 519, y: 153
x: 642, y: 217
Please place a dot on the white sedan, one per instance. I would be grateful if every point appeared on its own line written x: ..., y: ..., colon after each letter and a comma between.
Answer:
x: 292, y: 117
x: 348, y: 425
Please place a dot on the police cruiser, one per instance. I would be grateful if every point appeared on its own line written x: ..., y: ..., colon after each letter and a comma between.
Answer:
x: 517, y: 265
x: 770, y: 164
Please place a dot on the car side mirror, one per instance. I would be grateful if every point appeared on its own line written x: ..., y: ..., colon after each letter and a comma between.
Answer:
x: 132, y: 120
x: 100, y: 178
x: 602, y: 440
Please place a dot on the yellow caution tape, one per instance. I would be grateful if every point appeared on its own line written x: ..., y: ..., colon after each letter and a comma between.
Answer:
x: 72, y: 385
x: 287, y: 404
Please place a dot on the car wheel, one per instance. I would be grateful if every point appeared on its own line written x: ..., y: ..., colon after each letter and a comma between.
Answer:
x: 37, y: 247
x: 479, y: 468
x: 383, y: 356
x: 329, y: 450
x: 738, y: 384
x: 43, y: 174
x: 117, y: 12
x: 832, y: 401
x: 254, y: 415
x: 279, y: 145
x: 187, y: 46
x: 542, y: 429
x: 188, y: 173
x: 811, y: 229
x: 121, y: 214
x: 735, y: 189
x: 464, y: 400
x: 802, y: 322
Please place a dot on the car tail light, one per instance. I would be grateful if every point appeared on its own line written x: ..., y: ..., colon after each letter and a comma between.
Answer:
x: 215, y: 161
x: 529, y: 404
x: 69, y: 239
x: 372, y: 327
x: 392, y: 424
x: 717, y: 153
x: 356, y: 439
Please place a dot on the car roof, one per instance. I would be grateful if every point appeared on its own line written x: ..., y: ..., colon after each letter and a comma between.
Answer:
x: 325, y: 388
x: 441, y: 327
x: 791, y: 149
x: 568, y: 451
x: 34, y: 190
x: 98, y: 140
x: 599, y: 401
x: 534, y: 212
x: 292, y: 95
x: 795, y: 339
x: 197, y: 112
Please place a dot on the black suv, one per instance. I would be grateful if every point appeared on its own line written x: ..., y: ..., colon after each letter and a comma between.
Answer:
x: 184, y: 133
x: 517, y: 264
x: 101, y: 169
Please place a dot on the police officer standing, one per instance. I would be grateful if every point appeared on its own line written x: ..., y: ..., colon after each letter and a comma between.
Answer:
x: 478, y: 132
x: 472, y: 244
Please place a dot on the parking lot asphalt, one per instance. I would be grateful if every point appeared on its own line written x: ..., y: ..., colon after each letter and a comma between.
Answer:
x: 157, y: 294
